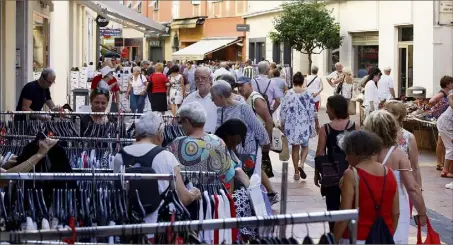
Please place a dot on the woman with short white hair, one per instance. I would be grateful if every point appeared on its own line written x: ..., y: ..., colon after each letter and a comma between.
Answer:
x: 200, y: 151
x: 149, y: 134
x: 257, y: 137
x: 137, y: 90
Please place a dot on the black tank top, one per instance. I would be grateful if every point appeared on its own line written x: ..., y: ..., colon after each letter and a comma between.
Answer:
x: 332, y: 134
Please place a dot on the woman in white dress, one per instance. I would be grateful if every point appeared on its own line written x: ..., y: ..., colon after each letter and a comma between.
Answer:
x: 177, y: 88
x: 385, y: 126
x: 371, y: 98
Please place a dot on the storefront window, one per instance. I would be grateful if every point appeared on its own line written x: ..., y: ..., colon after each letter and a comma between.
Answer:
x: 40, y: 42
x: 367, y: 57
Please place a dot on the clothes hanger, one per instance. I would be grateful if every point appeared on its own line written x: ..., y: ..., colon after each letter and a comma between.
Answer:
x: 307, y: 239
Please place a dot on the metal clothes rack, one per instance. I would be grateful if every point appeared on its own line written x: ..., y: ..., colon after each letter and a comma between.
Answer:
x: 183, y: 226
x: 83, y: 176
x: 73, y: 138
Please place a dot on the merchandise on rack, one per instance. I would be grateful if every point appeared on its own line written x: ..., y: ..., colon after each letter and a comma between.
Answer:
x: 89, y: 212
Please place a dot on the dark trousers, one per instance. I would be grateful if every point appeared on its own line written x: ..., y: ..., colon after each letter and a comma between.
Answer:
x: 333, y: 196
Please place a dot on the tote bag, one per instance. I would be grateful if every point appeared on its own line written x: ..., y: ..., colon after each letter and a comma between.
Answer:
x: 432, y: 237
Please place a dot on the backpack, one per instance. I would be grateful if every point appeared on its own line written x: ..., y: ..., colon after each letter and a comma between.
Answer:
x: 264, y: 93
x: 379, y: 232
x: 148, y: 191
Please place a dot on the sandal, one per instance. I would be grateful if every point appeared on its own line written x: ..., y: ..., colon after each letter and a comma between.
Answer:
x: 446, y: 175
x: 439, y: 168
x: 302, y: 172
x: 296, y: 177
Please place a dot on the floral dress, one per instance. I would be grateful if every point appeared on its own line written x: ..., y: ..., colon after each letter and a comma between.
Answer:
x: 176, y: 95
x: 298, y: 116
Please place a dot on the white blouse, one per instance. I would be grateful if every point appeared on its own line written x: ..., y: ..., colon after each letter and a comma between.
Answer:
x: 371, y: 95
x: 138, y: 84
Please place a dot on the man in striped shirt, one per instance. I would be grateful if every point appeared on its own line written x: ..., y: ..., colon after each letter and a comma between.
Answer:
x: 249, y: 70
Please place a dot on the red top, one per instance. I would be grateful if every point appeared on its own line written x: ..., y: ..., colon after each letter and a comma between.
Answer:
x: 158, y: 81
x: 367, y: 211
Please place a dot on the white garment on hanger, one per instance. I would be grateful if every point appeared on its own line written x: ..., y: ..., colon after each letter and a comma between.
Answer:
x: 207, y: 233
x: 201, y: 218
x: 45, y: 224
x: 226, y: 204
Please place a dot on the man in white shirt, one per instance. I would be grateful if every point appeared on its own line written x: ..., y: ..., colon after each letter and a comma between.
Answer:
x: 202, y: 95
x: 336, y: 77
x: 314, y: 85
x: 386, y: 85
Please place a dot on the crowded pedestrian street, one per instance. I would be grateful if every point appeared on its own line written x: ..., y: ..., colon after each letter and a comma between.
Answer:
x: 226, y: 122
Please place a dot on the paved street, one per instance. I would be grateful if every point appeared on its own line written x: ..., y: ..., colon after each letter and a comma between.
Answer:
x: 304, y: 196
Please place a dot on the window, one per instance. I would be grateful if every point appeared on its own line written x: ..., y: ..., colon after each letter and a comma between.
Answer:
x: 287, y: 52
x: 139, y: 7
x: 175, y: 9
x: 196, y: 2
x: 406, y: 34
x: 40, y: 43
x: 276, y: 52
x: 156, y: 5
x: 365, y: 58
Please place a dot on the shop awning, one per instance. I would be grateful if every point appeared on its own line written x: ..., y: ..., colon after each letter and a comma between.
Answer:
x: 178, y: 24
x: 116, y: 12
x: 205, y: 46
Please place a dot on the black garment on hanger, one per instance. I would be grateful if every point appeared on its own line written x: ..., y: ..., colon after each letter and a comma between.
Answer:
x: 56, y: 161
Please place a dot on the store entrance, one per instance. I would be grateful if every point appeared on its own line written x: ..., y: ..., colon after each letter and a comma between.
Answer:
x: 405, y: 68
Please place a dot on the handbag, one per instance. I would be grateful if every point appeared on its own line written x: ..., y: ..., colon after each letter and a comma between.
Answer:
x: 277, y: 142
x: 432, y: 237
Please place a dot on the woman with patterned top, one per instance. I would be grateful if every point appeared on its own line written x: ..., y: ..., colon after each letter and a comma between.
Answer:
x: 200, y: 151
x: 299, y: 122
x: 406, y: 140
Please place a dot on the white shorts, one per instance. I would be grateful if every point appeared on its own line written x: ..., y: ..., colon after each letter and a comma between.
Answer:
x: 446, y: 138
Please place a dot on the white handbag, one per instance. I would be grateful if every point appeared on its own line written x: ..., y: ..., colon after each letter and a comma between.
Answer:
x: 277, y: 143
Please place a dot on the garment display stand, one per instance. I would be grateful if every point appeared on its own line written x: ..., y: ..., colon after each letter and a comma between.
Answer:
x: 182, y: 226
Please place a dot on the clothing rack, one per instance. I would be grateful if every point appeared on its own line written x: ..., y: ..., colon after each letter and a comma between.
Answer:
x: 84, y: 176
x: 73, y: 138
x: 76, y: 113
x: 183, y: 226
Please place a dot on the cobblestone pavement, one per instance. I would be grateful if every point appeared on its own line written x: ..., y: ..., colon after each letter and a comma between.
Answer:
x: 304, y: 196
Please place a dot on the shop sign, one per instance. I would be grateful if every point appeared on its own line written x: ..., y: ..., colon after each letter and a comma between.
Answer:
x: 446, y: 6
x: 101, y: 21
x: 242, y: 27
x: 154, y: 43
x: 17, y: 58
x: 118, y: 42
x: 110, y: 32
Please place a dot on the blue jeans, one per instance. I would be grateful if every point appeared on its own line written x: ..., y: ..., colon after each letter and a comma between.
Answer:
x: 137, y: 103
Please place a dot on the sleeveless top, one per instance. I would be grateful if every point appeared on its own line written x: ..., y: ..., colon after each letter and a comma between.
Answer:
x: 367, y: 211
x: 403, y: 141
x: 332, y: 137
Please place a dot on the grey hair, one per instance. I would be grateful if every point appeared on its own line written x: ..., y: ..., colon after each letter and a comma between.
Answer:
x: 314, y: 70
x: 47, y: 72
x: 221, y: 88
x: 352, y: 143
x: 263, y: 67
x: 203, y: 69
x: 337, y: 64
x: 136, y: 68
x: 145, y: 62
x: 194, y: 112
x: 149, y: 124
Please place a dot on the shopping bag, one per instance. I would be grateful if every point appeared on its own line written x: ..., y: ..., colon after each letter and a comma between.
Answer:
x: 432, y: 237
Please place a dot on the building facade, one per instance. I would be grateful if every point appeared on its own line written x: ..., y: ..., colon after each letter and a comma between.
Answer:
x: 189, y: 22
x: 414, y: 38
